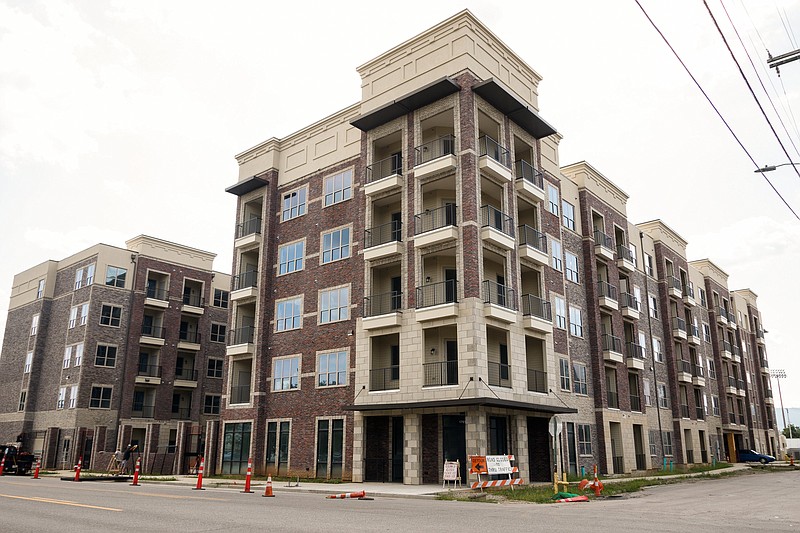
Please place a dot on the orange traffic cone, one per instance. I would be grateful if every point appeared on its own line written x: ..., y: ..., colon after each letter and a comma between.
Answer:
x: 200, y: 475
x: 249, y: 475
x: 268, y: 489
x: 36, y: 472
x: 78, y: 469
x: 136, y: 473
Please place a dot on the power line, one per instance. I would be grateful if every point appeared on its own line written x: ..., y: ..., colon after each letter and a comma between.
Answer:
x: 786, y: 26
x: 666, y: 41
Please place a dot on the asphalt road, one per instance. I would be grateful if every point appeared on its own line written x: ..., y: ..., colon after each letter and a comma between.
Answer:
x: 758, y: 502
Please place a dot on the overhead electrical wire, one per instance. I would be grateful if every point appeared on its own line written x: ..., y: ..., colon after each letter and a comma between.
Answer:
x: 678, y: 57
x: 786, y: 26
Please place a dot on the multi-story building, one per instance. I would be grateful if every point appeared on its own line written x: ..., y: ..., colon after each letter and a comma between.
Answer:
x: 113, y: 346
x: 417, y: 279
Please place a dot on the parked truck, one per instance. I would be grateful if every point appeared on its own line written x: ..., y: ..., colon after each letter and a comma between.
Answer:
x: 16, y: 462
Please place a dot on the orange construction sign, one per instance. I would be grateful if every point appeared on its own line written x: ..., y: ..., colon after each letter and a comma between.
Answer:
x: 478, y: 465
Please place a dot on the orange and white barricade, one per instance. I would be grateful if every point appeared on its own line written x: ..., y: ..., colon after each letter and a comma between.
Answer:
x: 494, y: 465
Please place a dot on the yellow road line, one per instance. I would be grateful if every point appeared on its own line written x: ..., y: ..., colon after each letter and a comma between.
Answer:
x: 60, y: 502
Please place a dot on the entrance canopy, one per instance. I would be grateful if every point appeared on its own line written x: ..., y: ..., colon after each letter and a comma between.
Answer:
x: 464, y: 402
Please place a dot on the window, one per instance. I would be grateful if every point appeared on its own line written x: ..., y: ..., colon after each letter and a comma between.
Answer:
x: 334, y: 305
x: 569, y: 214
x: 28, y: 363
x: 278, y: 434
x: 712, y: 369
x: 330, y: 445
x: 73, y: 317
x: 705, y: 404
x: 563, y: 367
x: 214, y: 368
x: 706, y: 332
x: 338, y: 187
x: 67, y: 356
x: 34, y: 325
x: 552, y: 196
x: 218, y: 332
x: 73, y: 396
x: 575, y: 322
x: 110, y: 315
x: 285, y: 373
x: 335, y: 245
x: 658, y: 355
x: 584, y: 439
x: 663, y: 399
x: 703, y: 299
x: 78, y: 278
x: 653, y: 306
x: 115, y: 276
x: 667, y: 436
x: 571, y: 261
x: 288, y: 314
x: 40, y: 290
x: 62, y: 396
x: 332, y: 369
x: 648, y: 399
x: 579, y: 379
x: 653, y: 437
x: 561, y: 313
x: 90, y: 274
x: 220, y: 298
x: 290, y: 257
x: 643, y: 343
x: 106, y: 355
x: 294, y: 204
x: 211, y: 404
x: 715, y: 405
x: 101, y: 398
x: 22, y: 397
x: 555, y: 252
x: 84, y: 314
x: 634, y: 256
x: 648, y: 265
x: 78, y: 354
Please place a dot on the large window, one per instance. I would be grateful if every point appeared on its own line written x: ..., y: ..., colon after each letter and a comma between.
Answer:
x: 563, y: 372
x: 338, y: 187
x: 106, y: 355
x: 115, y: 276
x: 658, y: 355
x: 569, y: 215
x: 653, y: 307
x: 552, y: 197
x: 330, y: 448
x: 332, y: 369
x: 236, y: 448
x: 575, y: 321
x: 218, y: 332
x: 288, y: 314
x: 648, y: 265
x: 715, y: 405
x: 667, y: 436
x: 101, y: 398
x: 584, y: 439
x: 706, y: 332
x: 290, y: 257
x: 294, y: 204
x: 648, y: 398
x: 278, y: 436
x: 561, y: 312
x: 663, y: 399
x: 555, y: 252
x: 571, y: 261
x: 110, y: 315
x: 334, y: 305
x: 285, y: 373
x: 579, y: 383
x: 335, y: 245
x: 221, y: 298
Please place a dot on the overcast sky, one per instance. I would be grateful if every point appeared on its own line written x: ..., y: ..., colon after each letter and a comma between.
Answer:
x: 122, y: 118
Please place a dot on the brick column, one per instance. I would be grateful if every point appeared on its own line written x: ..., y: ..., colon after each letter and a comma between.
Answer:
x: 412, y: 449
x: 150, y: 446
x: 211, y: 447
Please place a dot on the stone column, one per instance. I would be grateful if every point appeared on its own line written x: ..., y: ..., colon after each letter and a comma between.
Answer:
x: 211, y: 449
x: 477, y: 436
x: 150, y: 447
x: 521, y: 446
x: 180, y: 447
x: 412, y: 449
x: 358, y: 447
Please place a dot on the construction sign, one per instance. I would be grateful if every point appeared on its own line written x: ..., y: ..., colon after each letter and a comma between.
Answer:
x: 498, y: 464
x: 478, y: 464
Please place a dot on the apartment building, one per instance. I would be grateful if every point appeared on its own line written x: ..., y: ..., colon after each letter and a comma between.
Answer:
x: 417, y: 279
x: 112, y: 346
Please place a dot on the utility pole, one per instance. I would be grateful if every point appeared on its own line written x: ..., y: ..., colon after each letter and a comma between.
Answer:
x: 788, y: 57
x: 780, y: 374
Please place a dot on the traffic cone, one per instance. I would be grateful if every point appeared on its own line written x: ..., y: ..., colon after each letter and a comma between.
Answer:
x: 78, y: 469
x: 597, y: 485
x: 268, y: 489
x: 36, y: 472
x: 2, y: 463
x: 200, y: 475
x: 247, y: 478
x: 359, y: 494
x: 136, y: 473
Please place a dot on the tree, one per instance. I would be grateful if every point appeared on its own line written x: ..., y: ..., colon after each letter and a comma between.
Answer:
x: 791, y: 432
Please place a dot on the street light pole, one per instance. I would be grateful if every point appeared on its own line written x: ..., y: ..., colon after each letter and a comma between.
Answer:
x: 770, y: 168
x: 780, y: 374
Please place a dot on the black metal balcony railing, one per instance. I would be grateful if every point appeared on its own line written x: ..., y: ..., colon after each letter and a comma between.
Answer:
x: 195, y: 300
x: 741, y: 420
x: 382, y: 304
x: 601, y: 239
x: 740, y: 384
x: 529, y: 236
x: 535, y: 306
x: 384, y: 378
x: 248, y: 227
x: 443, y: 292
x: 722, y: 312
x: 699, y: 413
x: 391, y: 166
x: 684, y: 366
x: 157, y: 293
x: 240, y: 394
x: 731, y: 317
x: 732, y: 418
x: 736, y: 351
x: 613, y: 399
x: 385, y: 233
x: 674, y: 283
x: 630, y: 301
x: 499, y: 374
x: 153, y: 371
x: 537, y: 380
x: 241, y: 335
x: 725, y: 346
x: 435, y: 149
x: 494, y: 218
x: 678, y: 323
x: 767, y: 393
x: 157, y: 332
x: 189, y: 336
x: 181, y: 413
x: 688, y: 289
x: 245, y: 280
x: 636, y: 403
x: 611, y: 343
x: 187, y: 374
x: 759, y: 333
x: 606, y: 290
x: 491, y: 148
x: 142, y: 411
x: 732, y: 382
x: 440, y: 373
x: 764, y: 362
x: 432, y: 219
x: 526, y: 171
x: 634, y: 351
x: 497, y: 294
x: 697, y: 371
x: 694, y: 331
x: 684, y: 411
x: 623, y: 252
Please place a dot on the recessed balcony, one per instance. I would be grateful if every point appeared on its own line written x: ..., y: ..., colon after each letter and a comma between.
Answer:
x: 625, y: 260
x: 435, y: 157
x: 240, y: 341
x: 382, y: 310
x: 730, y: 386
x: 674, y: 287
x: 383, y: 241
x: 679, y: 328
x: 607, y: 295
x: 497, y: 227
x: 722, y: 315
x: 688, y: 295
x: 156, y: 297
x: 186, y: 377
x: 530, y: 182
x: 245, y: 286
x: 499, y: 374
x: 612, y: 348
x: 629, y: 306
x: 603, y: 245
x: 148, y: 375
x: 440, y: 373
x: 248, y: 233
x: 387, y: 378
x: 737, y: 353
x: 189, y: 340
x: 763, y: 363
x: 693, y: 335
x: 139, y: 410
x: 725, y: 349
x: 240, y: 394
x: 698, y: 376
x: 536, y: 314
x: 435, y: 226
x: 437, y: 300
x: 740, y: 387
x: 634, y: 356
x: 532, y: 245
x: 384, y: 175
x: 193, y: 304
x: 499, y: 301
x: 152, y: 335
x: 494, y: 159
x: 760, y: 336
x: 537, y: 381
x: 684, y: 371
x: 768, y: 396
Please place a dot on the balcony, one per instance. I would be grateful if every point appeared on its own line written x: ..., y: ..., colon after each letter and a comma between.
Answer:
x: 494, y: 160
x: 382, y: 310
x: 613, y: 400
x: 634, y: 356
x: 730, y: 386
x: 240, y: 394
x: 435, y: 226
x: 499, y: 374
x: 245, y: 286
x: 688, y: 294
x: 679, y: 328
x: 536, y: 314
x: 684, y: 371
x: 684, y: 411
x: 625, y: 260
x: 440, y: 373
x: 437, y: 300
x: 381, y: 379
x: 612, y: 348
x: 435, y: 157
x: 383, y: 175
x: 768, y: 396
x: 193, y: 304
x: 732, y: 320
x: 142, y: 411
x: 248, y: 233
x: 763, y: 363
x: 153, y: 335
x: 725, y: 349
x: 383, y: 241
x: 532, y: 245
x: 497, y: 227
x: 529, y: 183
x: 636, y: 403
x: 737, y: 353
x: 240, y: 341
x: 189, y: 340
x: 722, y: 315
x: 499, y: 301
x: 537, y: 381
x: 700, y: 414
x: 607, y: 295
x: 674, y: 287
x: 148, y: 375
x: 698, y: 377
x: 694, y: 335
x: 740, y: 387
x: 760, y: 336
x: 630, y: 306
x: 603, y: 245
x: 181, y: 413
x: 155, y: 297
x: 185, y: 377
